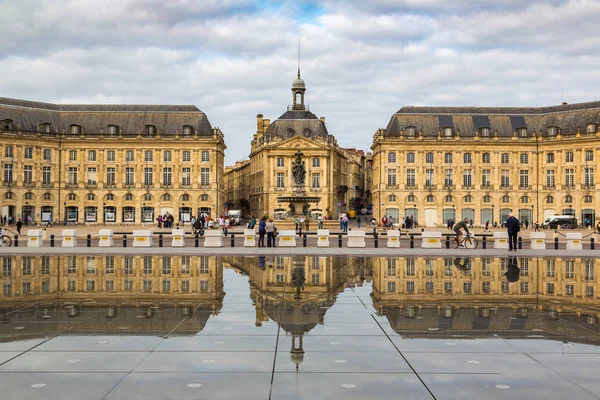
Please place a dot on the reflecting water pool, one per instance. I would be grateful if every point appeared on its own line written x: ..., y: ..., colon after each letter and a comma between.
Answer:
x: 181, y: 327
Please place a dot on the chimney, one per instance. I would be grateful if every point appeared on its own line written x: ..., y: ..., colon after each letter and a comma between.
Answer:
x: 259, y: 122
x: 323, y: 119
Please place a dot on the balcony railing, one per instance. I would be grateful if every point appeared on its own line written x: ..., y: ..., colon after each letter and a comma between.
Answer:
x: 166, y: 185
x: 396, y: 187
x: 71, y: 185
x: 524, y: 187
x: 29, y: 184
x: 486, y: 186
x: 430, y: 187
x: 47, y: 185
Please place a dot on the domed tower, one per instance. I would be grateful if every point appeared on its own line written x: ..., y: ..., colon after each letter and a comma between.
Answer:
x: 298, y: 89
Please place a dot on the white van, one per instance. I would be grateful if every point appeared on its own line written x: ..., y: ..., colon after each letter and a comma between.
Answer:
x: 235, y: 214
x: 560, y: 221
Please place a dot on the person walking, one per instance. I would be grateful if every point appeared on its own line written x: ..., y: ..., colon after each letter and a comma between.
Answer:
x: 320, y: 222
x: 262, y: 230
x: 271, y: 229
x: 487, y: 225
x: 513, y: 227
x: 536, y: 226
x: 300, y: 225
x: 345, y: 223
x: 526, y: 223
x: 19, y: 225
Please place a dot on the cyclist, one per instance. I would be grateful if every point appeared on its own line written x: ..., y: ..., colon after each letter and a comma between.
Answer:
x: 457, y: 228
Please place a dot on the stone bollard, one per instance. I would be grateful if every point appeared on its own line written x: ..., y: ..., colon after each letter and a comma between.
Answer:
x: 356, y: 239
x: 249, y: 238
x: 500, y: 240
x: 538, y: 241
x: 142, y: 238
x: 574, y: 241
x: 213, y: 238
x: 393, y: 238
x: 323, y: 238
x: 34, y: 238
x: 431, y: 240
x: 178, y: 238
x: 287, y: 238
x: 69, y: 238
x: 106, y: 238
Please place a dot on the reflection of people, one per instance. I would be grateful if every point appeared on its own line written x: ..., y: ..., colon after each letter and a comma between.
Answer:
x: 513, y: 272
x: 464, y: 266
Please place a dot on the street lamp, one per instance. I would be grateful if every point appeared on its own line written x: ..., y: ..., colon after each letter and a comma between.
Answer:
x: 493, y: 214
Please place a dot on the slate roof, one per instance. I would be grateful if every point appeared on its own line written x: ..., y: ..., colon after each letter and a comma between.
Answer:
x: 131, y: 118
x: 505, y: 120
x: 297, y: 123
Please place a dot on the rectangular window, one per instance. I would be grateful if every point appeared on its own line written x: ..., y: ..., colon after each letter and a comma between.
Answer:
x: 569, y: 290
x: 27, y: 174
x: 129, y: 176
x: 410, y: 267
x: 166, y: 265
x: 550, y: 158
x: 147, y: 285
x: 589, y: 291
x: 589, y: 155
x: 90, y: 285
x: 28, y: 153
x: 429, y: 158
x: 280, y: 179
x: 72, y: 285
x: 167, y: 156
x: 524, y: 158
x: 589, y: 177
x: 204, y: 265
x: 429, y: 286
x: 186, y: 176
x: 569, y: 269
x: 204, y: 286
x: 570, y: 177
x: 45, y: 286
x: 92, y: 155
x: 47, y: 155
x: 504, y: 158
x: 110, y: 176
x: 448, y: 181
x: 128, y: 284
x: 392, y: 157
x: 524, y: 287
x: 315, y: 278
x: 391, y: 287
x: 6, y: 266
x: 91, y: 176
x: 205, y: 156
x: 410, y: 158
x: 429, y: 177
x: 109, y: 266
x: 448, y: 287
x: 569, y: 156
x: 589, y: 270
x: 524, y: 178
x: 71, y: 264
x: 316, y: 162
x: 428, y: 267
x: 485, y: 158
x: 110, y: 285
x: 167, y: 176
x: 316, y: 263
x: 73, y: 155
x: 448, y: 158
x: 129, y: 156
x: 46, y: 175
x: 8, y: 173
x: 467, y: 158
x: 505, y: 178
x: 148, y: 176
x: 410, y: 287
x: 185, y: 264
x: 485, y: 287
x: 185, y: 286
x: 410, y: 177
x: 27, y: 265
x: 90, y: 264
x: 391, y: 177
x: 467, y: 179
x: 316, y: 180
x: 467, y: 287
x: 147, y: 265
x: 7, y: 289
x: 8, y: 152
x: 186, y: 156
x: 72, y: 175
x: 280, y: 162
x: 148, y: 155
x: 204, y: 176
x: 128, y: 265
x: 550, y: 178
x: 45, y: 265
x: 391, y: 267
x: 26, y: 287
x: 110, y: 155
x: 504, y: 286
x: 550, y: 268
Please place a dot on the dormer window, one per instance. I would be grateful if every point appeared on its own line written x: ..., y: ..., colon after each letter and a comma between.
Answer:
x: 484, y: 132
x: 522, y: 132
x: 6, y: 124
x: 150, y: 130
x: 44, y: 127
x: 188, y: 130
x: 411, y: 131
x: 552, y: 131
x: 447, y: 132
x: 113, y: 130
x: 75, y: 129
x: 591, y: 128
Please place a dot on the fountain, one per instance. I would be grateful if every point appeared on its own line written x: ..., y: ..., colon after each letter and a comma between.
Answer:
x: 299, y: 203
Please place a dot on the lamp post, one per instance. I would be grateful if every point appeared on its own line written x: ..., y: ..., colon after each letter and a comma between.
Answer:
x: 531, y: 222
x: 493, y: 214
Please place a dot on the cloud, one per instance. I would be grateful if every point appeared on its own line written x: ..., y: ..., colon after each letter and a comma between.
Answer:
x: 361, y: 61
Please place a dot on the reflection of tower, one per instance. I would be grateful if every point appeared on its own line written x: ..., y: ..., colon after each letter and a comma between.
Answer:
x: 297, y: 351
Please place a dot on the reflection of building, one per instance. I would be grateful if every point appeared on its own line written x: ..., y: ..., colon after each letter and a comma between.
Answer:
x: 431, y: 294
x: 334, y: 177
x: 450, y: 162
x: 108, y: 163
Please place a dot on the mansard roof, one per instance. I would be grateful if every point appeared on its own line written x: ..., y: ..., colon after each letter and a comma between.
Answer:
x: 297, y: 123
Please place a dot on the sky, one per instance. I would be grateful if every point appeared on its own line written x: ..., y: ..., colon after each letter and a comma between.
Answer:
x: 361, y: 60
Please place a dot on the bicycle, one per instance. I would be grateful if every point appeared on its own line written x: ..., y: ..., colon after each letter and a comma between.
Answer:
x: 5, y: 240
x: 468, y: 242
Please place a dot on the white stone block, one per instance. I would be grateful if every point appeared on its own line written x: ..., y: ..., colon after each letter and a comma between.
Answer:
x: 574, y: 241
x: 393, y: 238
x: 178, y: 238
x: 431, y: 240
x: 213, y: 238
x: 356, y: 238
x: 322, y: 237
x: 538, y: 241
x: 106, y: 238
x: 142, y: 238
x: 34, y: 238
x: 69, y: 238
x: 501, y: 240
x: 249, y: 238
x: 287, y: 238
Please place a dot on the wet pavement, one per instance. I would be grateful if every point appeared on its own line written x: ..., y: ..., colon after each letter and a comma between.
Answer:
x: 298, y: 328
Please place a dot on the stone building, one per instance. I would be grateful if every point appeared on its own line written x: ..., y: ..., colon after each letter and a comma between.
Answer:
x: 237, y: 190
x: 436, y: 163
x: 331, y: 176
x: 108, y: 164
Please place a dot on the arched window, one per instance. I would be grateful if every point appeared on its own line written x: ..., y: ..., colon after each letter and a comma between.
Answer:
x: 467, y: 158
x: 448, y: 158
x: 591, y: 128
x: 410, y: 158
x: 447, y: 132
x: 128, y: 197
x: 391, y: 157
x: 109, y: 197
x: 485, y: 158
x: 588, y: 199
x: 204, y: 197
x: 568, y: 199
x: 9, y: 195
x: 166, y: 197
x: 524, y: 199
x: 47, y: 196
x: 185, y: 197
x: 28, y: 196
x: 392, y: 198
x: 504, y: 158
x: 91, y: 196
x: 188, y: 130
x: 484, y: 132
x: 549, y: 200
x: 92, y: 155
x: 150, y: 130
x: 487, y: 199
x: 505, y: 199
x: 552, y: 130
x: 448, y: 199
x: 75, y: 129
x: 44, y: 127
x: 429, y: 198
x: 467, y: 199
x: 113, y: 130
x: 429, y: 158
x: 147, y: 197
x: 72, y: 196
x: 411, y: 198
x: 522, y: 132
x: 411, y: 131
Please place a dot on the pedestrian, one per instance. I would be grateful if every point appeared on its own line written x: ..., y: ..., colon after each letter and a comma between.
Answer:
x: 271, y: 231
x: 537, y: 226
x: 49, y: 222
x: 598, y: 227
x: 358, y: 221
x: 300, y: 225
x: 487, y: 225
x: 296, y: 222
x: 19, y: 225
x: 513, y: 227
x: 320, y: 222
x: 342, y: 222
x: 262, y: 230
x: 345, y: 223
x: 526, y: 223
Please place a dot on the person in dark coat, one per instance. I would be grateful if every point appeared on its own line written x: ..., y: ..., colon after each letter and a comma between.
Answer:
x: 513, y: 226
x: 262, y: 231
